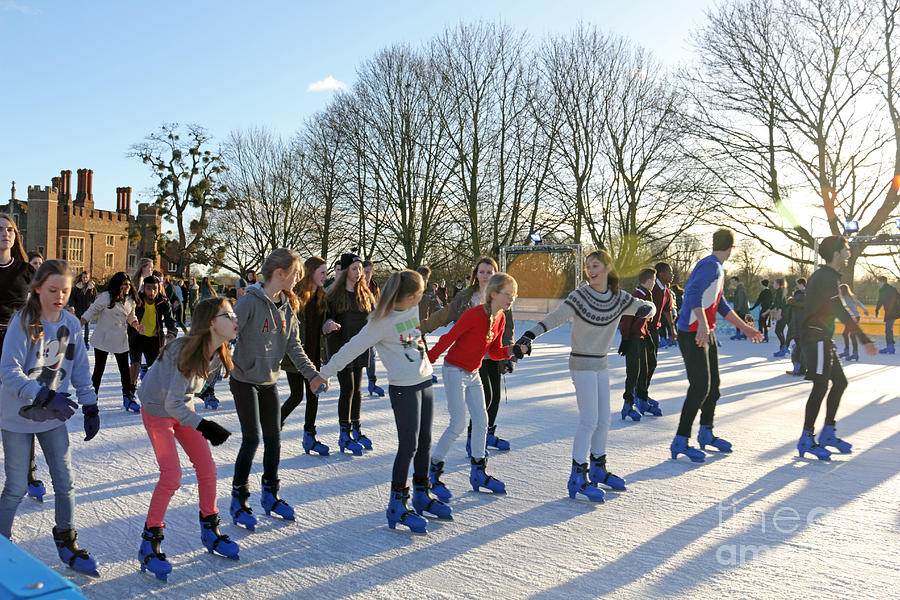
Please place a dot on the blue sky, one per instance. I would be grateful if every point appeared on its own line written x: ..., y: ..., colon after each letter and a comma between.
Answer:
x: 80, y: 82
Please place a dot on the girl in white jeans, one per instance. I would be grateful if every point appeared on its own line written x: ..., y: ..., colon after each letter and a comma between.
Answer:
x: 478, y: 330
x: 594, y: 311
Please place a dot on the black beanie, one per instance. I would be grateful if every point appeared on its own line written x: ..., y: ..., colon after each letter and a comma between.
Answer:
x: 830, y: 245
x: 347, y: 260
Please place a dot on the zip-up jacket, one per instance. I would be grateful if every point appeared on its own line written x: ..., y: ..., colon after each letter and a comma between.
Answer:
x: 823, y: 305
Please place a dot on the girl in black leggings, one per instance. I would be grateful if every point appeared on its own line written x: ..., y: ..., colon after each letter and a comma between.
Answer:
x: 349, y: 303
x: 311, y: 316
x: 267, y: 331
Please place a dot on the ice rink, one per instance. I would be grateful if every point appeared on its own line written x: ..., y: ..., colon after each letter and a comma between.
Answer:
x: 757, y: 523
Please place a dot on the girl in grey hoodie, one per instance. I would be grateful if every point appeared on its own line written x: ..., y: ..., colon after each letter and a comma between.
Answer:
x: 268, y: 330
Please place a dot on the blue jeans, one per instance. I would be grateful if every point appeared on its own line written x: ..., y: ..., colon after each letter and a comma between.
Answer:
x: 889, y: 331
x: 16, y: 454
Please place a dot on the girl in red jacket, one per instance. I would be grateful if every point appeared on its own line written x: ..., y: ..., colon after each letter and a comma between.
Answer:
x: 478, y: 330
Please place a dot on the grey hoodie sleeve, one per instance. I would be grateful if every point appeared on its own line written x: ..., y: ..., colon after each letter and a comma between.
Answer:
x: 295, y: 350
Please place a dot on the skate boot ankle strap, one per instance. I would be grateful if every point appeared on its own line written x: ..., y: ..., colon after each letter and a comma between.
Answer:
x: 155, y: 539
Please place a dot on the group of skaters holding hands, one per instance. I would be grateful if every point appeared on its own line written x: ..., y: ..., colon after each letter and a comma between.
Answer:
x: 293, y: 320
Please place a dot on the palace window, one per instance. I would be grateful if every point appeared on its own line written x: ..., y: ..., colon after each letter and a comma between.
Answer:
x: 76, y: 250
x: 110, y: 240
x: 109, y: 260
x: 132, y: 261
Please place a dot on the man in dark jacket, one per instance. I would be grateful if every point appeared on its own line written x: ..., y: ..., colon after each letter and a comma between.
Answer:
x: 794, y: 317
x: 741, y: 305
x: 889, y: 299
x: 764, y: 302
x: 823, y: 304
x: 153, y: 313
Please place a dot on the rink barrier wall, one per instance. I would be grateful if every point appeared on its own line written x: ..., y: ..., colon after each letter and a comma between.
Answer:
x: 25, y: 577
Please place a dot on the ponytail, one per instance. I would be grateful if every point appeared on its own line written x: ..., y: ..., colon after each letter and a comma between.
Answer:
x: 399, y: 285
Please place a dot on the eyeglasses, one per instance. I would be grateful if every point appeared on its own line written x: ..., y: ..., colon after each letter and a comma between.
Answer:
x: 508, y: 295
x: 229, y: 315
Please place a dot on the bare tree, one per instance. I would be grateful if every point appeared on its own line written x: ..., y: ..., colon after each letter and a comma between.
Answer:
x: 408, y: 147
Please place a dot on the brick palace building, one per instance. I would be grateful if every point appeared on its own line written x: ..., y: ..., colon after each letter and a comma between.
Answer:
x: 102, y: 242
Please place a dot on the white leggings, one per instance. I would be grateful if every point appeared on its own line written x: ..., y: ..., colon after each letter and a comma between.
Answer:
x: 462, y: 389
x: 592, y: 395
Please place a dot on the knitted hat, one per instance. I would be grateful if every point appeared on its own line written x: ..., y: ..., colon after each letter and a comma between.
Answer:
x: 347, y: 260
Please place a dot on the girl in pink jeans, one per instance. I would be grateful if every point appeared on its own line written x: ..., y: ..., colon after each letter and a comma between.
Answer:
x: 167, y: 397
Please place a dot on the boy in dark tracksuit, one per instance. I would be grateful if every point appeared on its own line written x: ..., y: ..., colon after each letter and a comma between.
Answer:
x: 823, y: 304
x: 636, y: 347
x: 764, y: 302
x: 794, y: 316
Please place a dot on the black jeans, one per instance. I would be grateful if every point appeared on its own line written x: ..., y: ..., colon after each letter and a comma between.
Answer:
x: 823, y: 366
x: 300, y: 387
x: 413, y: 407
x: 491, y: 371
x: 702, y: 366
x: 350, y: 400
x: 636, y: 369
x: 100, y: 357
x: 257, y: 405
x: 779, y: 331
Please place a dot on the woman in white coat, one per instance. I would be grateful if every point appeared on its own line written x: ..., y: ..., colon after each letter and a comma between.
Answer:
x: 114, y: 312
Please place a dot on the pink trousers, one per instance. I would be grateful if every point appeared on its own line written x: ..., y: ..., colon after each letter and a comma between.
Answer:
x: 163, y: 432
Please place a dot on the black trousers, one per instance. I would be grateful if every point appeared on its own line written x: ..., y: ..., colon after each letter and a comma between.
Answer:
x: 636, y: 369
x: 823, y: 366
x: 798, y: 355
x: 100, y: 357
x: 652, y: 341
x: 849, y: 337
x: 702, y: 366
x: 779, y: 331
x: 145, y: 345
x: 257, y: 405
x: 350, y: 400
x: 491, y: 373
x: 300, y: 387
x: 413, y: 407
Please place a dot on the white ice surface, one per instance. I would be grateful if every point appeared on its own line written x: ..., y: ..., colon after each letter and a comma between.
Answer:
x: 758, y: 523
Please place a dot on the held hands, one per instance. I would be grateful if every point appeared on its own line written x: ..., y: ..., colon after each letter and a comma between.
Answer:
x: 215, y: 433
x: 330, y: 326
x: 519, y: 351
x: 47, y: 405
x: 317, y: 383
x: 91, y: 421
x: 525, y: 341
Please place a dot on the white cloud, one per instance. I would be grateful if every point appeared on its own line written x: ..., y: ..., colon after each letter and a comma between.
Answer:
x: 326, y: 85
x: 8, y: 5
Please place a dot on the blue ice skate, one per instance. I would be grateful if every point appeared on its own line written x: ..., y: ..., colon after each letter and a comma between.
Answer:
x: 706, y: 438
x: 680, y: 446
x: 150, y: 556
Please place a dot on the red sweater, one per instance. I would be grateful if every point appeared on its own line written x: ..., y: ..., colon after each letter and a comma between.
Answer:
x: 633, y: 328
x: 662, y: 298
x: 469, y: 339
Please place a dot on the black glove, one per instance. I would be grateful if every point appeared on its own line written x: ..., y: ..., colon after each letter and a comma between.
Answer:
x: 623, y: 347
x: 525, y: 340
x: 91, y: 421
x: 643, y: 312
x: 507, y: 366
x: 215, y: 433
x: 47, y: 405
